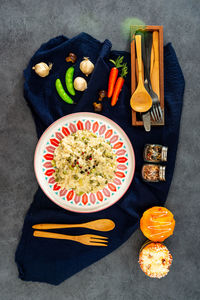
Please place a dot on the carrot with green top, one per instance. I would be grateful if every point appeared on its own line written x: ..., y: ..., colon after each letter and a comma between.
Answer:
x: 113, y: 74
x: 119, y: 84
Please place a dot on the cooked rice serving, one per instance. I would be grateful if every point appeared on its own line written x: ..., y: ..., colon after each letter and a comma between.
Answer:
x: 84, y: 162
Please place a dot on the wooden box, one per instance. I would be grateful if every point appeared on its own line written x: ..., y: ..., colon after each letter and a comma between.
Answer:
x: 136, y: 117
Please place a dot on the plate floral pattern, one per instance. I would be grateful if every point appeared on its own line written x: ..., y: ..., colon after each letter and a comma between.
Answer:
x: 101, y: 126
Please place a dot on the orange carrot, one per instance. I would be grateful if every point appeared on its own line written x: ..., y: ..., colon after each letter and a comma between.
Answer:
x: 119, y: 84
x: 113, y: 74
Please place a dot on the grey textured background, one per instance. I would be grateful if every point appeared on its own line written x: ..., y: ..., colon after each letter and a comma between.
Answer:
x: 24, y: 25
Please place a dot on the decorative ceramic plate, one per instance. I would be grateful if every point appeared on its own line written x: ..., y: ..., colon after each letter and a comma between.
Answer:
x: 103, y: 127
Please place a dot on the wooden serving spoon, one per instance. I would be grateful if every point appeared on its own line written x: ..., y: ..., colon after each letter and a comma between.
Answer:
x: 140, y: 100
x: 100, y: 225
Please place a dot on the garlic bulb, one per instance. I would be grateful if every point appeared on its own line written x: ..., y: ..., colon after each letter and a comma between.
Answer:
x: 42, y: 69
x: 80, y: 84
x: 86, y: 66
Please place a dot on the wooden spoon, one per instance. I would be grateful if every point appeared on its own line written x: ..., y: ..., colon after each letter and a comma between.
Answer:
x: 100, y: 225
x: 140, y: 100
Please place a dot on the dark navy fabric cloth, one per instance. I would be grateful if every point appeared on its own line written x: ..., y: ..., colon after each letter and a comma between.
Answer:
x: 51, y: 260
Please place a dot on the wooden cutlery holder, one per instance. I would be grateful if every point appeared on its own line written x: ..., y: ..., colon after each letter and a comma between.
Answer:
x: 136, y: 117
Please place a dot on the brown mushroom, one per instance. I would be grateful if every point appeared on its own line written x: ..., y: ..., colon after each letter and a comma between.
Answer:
x: 72, y: 57
x: 102, y: 95
x: 97, y: 107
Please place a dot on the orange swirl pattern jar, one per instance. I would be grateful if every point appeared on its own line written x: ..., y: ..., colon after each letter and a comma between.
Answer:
x: 157, y: 223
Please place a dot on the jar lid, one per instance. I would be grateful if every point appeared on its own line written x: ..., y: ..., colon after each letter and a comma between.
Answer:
x: 164, y: 153
x: 162, y: 173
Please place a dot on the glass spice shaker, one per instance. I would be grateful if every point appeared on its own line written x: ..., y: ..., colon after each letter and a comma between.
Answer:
x: 155, y: 153
x: 153, y: 173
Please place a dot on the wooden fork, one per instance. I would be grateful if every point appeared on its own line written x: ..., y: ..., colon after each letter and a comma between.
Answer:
x: 86, y: 239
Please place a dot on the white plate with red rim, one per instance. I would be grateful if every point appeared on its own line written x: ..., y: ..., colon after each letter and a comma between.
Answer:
x: 101, y: 126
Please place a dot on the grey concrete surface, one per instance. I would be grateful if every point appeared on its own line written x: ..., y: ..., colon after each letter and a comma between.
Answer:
x: 24, y: 25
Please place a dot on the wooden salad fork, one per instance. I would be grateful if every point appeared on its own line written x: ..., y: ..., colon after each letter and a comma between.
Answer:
x: 100, y: 225
x: 85, y: 239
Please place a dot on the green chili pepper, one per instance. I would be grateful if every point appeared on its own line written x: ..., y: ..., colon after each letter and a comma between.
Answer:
x: 62, y: 93
x: 69, y: 80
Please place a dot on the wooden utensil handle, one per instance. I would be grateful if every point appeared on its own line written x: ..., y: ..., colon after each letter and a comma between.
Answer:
x: 139, y: 54
x: 53, y: 235
x: 136, y: 70
x: 55, y: 226
x: 155, y: 76
x: 155, y: 45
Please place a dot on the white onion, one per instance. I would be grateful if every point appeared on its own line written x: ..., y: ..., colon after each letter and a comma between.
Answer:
x: 80, y: 84
x: 86, y: 66
x: 42, y: 69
